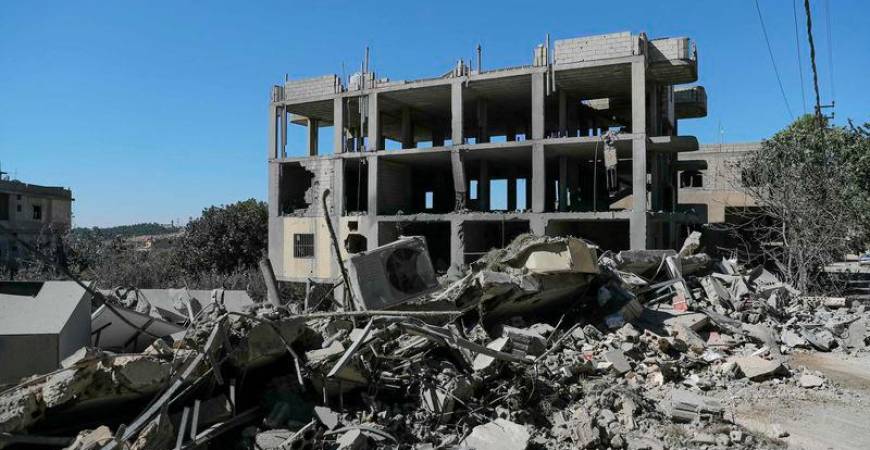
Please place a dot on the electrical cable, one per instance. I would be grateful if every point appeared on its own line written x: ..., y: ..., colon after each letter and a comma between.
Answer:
x: 772, y: 61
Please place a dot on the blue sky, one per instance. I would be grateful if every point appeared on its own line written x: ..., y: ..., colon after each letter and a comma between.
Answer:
x: 151, y: 111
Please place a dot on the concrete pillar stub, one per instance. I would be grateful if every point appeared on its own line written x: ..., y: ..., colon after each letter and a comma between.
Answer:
x: 272, y: 140
x: 563, y: 183
x: 457, y: 244
x: 407, y: 128
x: 482, y: 121
x: 313, y: 128
x: 372, y: 222
x: 374, y: 126
x: 538, y: 225
x: 512, y: 190
x: 638, y: 221
x: 457, y: 166
x: 538, y: 105
x: 483, y: 196
x: 538, y: 180
x: 338, y: 125
x: 456, y: 122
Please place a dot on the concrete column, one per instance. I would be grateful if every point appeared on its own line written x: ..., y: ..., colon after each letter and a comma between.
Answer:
x: 538, y: 225
x: 338, y: 125
x: 456, y: 134
x: 482, y: 121
x: 538, y: 180
x: 276, y: 222
x: 313, y: 127
x: 337, y: 194
x: 372, y: 192
x: 437, y: 137
x: 282, y: 121
x: 538, y: 105
x: 563, y: 113
x: 374, y: 131
x: 528, y: 184
x: 407, y: 128
x: 638, y: 223
x: 457, y: 245
x: 459, y: 184
x: 512, y: 192
x: 272, y: 141
x: 563, y: 183
x: 483, y: 186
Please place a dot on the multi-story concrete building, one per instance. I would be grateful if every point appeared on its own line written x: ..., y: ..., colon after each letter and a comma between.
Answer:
x: 714, y: 190
x: 474, y: 157
x: 26, y: 210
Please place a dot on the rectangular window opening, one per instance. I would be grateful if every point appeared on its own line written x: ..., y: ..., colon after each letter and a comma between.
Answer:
x: 37, y: 212
x: 303, y: 245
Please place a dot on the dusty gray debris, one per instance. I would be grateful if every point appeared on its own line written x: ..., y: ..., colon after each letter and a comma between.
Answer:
x: 757, y: 369
x: 811, y: 381
x: 499, y: 434
x: 687, y: 406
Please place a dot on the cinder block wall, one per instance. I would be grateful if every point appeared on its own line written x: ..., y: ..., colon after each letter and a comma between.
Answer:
x: 669, y: 48
x: 311, y: 87
x: 593, y: 47
x: 324, y: 177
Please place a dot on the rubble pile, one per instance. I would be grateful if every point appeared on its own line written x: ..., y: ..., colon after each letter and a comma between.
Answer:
x: 543, y: 344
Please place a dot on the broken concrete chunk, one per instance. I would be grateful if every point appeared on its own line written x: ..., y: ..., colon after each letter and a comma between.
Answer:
x: 690, y: 337
x: 687, y: 406
x: 757, y: 369
x: 524, y: 341
x: 482, y: 361
x: 811, y: 381
x: 619, y: 361
x: 792, y: 340
x: 499, y: 434
x: 857, y: 334
x: 326, y: 416
x: 352, y: 440
x: 584, y: 433
x: 91, y: 439
x: 557, y: 255
x: 691, y: 244
x: 334, y: 349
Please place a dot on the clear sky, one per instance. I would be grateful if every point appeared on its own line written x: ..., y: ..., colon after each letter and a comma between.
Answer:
x: 152, y: 110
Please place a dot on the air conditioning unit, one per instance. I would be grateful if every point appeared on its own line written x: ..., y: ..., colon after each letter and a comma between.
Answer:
x: 391, y: 274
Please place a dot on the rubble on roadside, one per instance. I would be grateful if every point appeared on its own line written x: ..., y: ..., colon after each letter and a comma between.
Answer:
x: 543, y: 344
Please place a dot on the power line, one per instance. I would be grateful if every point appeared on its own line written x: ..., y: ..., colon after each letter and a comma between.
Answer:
x: 830, y: 47
x: 812, y: 57
x: 797, y: 42
x: 772, y: 61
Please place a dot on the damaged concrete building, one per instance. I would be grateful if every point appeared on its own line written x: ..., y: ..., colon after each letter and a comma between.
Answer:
x: 475, y: 157
x: 713, y: 190
x: 26, y: 209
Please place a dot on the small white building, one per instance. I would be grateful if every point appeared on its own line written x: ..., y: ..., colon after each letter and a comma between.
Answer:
x: 41, y: 323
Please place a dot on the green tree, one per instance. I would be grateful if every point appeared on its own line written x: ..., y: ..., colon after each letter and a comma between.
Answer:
x: 811, y: 182
x: 224, y: 239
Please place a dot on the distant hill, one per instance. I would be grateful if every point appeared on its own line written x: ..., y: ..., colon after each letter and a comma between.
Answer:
x: 127, y: 231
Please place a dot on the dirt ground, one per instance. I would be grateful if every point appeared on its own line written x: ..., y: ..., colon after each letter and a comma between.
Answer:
x: 822, y: 419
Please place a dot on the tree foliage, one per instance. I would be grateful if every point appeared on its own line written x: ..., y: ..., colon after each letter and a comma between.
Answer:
x: 811, y: 182
x: 224, y: 238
